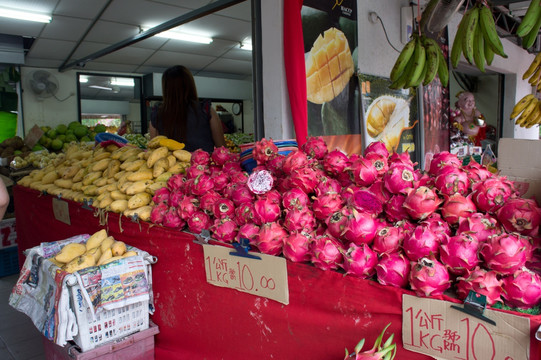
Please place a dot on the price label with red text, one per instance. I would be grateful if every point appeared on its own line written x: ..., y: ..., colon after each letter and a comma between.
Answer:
x: 266, y: 277
x: 433, y: 328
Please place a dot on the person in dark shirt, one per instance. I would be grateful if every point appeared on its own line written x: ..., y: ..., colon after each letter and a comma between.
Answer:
x: 182, y: 116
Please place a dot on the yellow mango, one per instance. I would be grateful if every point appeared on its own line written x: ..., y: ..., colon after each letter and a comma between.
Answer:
x: 183, y: 155
x: 157, y: 154
x: 129, y: 253
x: 118, y: 248
x: 105, y: 255
x: 138, y: 200
x: 79, y: 263
x: 96, y: 239
x: 140, y: 175
x: 70, y: 252
x: 107, y: 243
x: 137, y: 187
x: 119, y: 206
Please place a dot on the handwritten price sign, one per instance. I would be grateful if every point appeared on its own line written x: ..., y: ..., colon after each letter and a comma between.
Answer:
x: 266, y: 277
x: 433, y: 328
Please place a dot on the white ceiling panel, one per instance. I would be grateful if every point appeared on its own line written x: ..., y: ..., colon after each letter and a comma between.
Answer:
x: 66, y: 28
x: 142, y: 12
x: 22, y: 28
x: 51, y: 49
x: 215, y: 48
x: 167, y: 59
x: 110, y: 32
x: 38, y: 6
x: 151, y: 43
x: 82, y: 9
x: 232, y: 66
x: 42, y: 63
x: 127, y: 55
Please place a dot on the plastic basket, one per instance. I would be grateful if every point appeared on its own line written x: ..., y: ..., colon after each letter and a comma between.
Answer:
x: 246, y: 157
x: 9, y: 261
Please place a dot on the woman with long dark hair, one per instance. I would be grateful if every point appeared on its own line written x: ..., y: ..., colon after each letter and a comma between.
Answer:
x: 182, y: 117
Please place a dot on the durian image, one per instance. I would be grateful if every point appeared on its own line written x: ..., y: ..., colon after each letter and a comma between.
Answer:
x: 386, y: 118
x: 329, y: 66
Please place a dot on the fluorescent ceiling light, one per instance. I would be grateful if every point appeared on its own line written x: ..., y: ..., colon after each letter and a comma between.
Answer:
x: 246, y: 44
x: 83, y: 79
x: 100, y: 87
x: 169, y: 34
x: 122, y: 82
x: 24, y: 15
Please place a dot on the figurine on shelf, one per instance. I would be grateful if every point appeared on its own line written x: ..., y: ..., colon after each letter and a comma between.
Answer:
x: 467, y: 122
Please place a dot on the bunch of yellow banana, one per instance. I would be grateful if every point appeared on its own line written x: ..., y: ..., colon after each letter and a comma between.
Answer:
x: 477, y: 38
x: 527, y: 112
x: 533, y: 74
x: 530, y: 25
x: 420, y: 61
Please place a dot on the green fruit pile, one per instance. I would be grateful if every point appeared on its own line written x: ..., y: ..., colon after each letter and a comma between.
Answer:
x: 55, y: 139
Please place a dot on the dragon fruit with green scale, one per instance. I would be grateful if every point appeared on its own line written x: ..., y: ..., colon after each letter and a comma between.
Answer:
x: 176, y: 182
x: 388, y: 239
x: 421, y: 243
x: 360, y: 228
x: 238, y: 177
x: 429, y: 277
x: 187, y: 206
x: 198, y: 222
x: 506, y: 253
x: 325, y: 205
x: 195, y: 170
x: 275, y: 165
x: 157, y: 214
x: 295, y: 199
x: 248, y: 231
x: 360, y: 261
x: 327, y: 185
x: 522, y: 289
x: 315, y: 147
x: 172, y: 220
x: 460, y: 253
x: 221, y: 155
x: 161, y: 195
x: 456, y: 207
x: 399, y: 179
x: 394, y: 208
x: 490, y: 194
x: 385, y: 351
x: 421, y: 202
x: 305, y: 178
x: 479, y: 225
x: 294, y: 160
x: 207, y: 201
x: 335, y: 162
x: 451, y: 180
x: 393, y: 270
x: 297, y: 247
x: 224, y: 229
x: 270, y: 239
x: 266, y: 211
x: 244, y: 213
x: 476, y: 172
x: 300, y: 220
x: 264, y: 150
x: 481, y: 281
x: 520, y: 215
x: 326, y: 252
x: 224, y: 208
x: 202, y: 184
x: 363, y: 172
x: 241, y: 194
x: 441, y: 160
x: 337, y: 222
x: 200, y: 157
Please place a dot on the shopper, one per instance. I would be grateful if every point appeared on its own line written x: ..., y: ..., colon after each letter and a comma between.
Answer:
x: 182, y: 116
x: 4, y: 199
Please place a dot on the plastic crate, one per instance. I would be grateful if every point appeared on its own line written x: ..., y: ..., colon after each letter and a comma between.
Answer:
x: 108, y: 325
x: 9, y: 261
x: 139, y: 346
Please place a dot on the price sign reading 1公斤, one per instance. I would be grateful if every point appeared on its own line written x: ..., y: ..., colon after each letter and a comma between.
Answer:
x: 266, y: 277
x: 432, y: 327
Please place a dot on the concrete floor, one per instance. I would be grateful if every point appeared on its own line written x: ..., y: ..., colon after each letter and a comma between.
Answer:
x: 19, y: 338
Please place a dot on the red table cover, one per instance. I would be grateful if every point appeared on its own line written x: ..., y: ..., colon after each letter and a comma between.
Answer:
x: 327, y: 311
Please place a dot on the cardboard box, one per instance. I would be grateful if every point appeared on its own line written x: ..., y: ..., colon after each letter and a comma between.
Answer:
x: 520, y: 161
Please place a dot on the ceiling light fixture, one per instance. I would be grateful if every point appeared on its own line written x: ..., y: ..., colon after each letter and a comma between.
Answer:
x: 24, y: 15
x: 100, y: 87
x: 246, y: 45
x: 169, y: 34
x: 122, y: 82
x: 83, y: 79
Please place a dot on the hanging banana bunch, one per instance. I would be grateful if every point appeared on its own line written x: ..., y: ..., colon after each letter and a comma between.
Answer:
x: 530, y: 25
x: 527, y: 112
x: 533, y: 74
x: 476, y: 38
x: 419, y: 62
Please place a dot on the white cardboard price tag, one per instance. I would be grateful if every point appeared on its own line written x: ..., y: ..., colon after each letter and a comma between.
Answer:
x: 266, y: 277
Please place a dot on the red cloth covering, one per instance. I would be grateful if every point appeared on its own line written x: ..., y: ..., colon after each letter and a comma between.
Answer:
x: 295, y: 67
x: 327, y: 311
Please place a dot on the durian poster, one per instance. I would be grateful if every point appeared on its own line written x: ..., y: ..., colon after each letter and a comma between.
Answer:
x: 332, y: 91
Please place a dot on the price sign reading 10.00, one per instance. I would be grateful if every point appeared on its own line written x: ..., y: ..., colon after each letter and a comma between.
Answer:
x: 266, y: 277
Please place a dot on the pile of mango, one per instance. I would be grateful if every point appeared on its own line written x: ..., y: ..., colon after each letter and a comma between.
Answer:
x: 99, y: 249
x: 119, y: 179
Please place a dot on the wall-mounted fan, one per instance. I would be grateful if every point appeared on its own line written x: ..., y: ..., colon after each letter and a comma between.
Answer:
x: 43, y: 84
x: 440, y: 14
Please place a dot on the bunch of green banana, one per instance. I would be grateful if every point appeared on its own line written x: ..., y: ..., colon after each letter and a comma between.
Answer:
x: 530, y: 25
x: 533, y: 74
x: 419, y: 62
x: 527, y: 112
x: 477, y: 38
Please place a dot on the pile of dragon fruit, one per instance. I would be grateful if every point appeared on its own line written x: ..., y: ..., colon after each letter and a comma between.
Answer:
x: 375, y: 216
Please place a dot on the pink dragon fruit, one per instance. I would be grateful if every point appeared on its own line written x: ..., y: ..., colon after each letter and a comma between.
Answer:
x: 482, y: 282
x: 172, y: 220
x: 295, y: 199
x: 459, y: 253
x: 207, y: 201
x: 275, y: 165
x: 244, y: 213
x: 365, y: 201
x: 175, y: 197
x: 337, y: 222
x: 224, y: 229
x: 195, y: 170
x: 360, y: 228
x: 221, y: 155
x: 520, y: 215
x: 476, y: 172
x: 506, y: 253
x: 176, y: 182
x: 224, y: 208
x: 294, y: 160
x: 238, y: 177
x: 457, y: 206
x: 479, y: 225
x: 241, y: 194
x: 264, y: 150
x: 491, y: 194
x: 388, y: 240
x: 297, y: 247
x: 441, y: 160
x: 421, y: 243
x: 379, y: 162
x: 198, y: 222
x: 421, y: 202
x: 377, y: 147
x: 266, y: 211
x: 231, y: 167
x: 335, y: 162
x: 202, y: 184
x: 394, y: 208
x: 360, y: 260
x: 401, y: 160
x: 157, y: 213
x: 315, y: 147
x: 304, y: 178
x: 273, y: 196
x: 378, y: 189
x: 325, y: 205
x: 187, y: 207
x: 220, y: 180
x: 161, y: 195
x: 327, y: 252
x: 387, y: 351
x: 522, y: 289
x: 363, y: 172
x: 248, y: 231
x: 438, y: 226
x: 393, y: 270
x: 451, y: 180
x: 270, y: 239
x: 300, y: 220
x: 200, y: 157
x: 399, y: 179
x: 429, y: 277
x: 327, y: 185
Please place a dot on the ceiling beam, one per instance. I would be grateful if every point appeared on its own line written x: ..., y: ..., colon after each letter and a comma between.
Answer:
x: 192, y: 15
